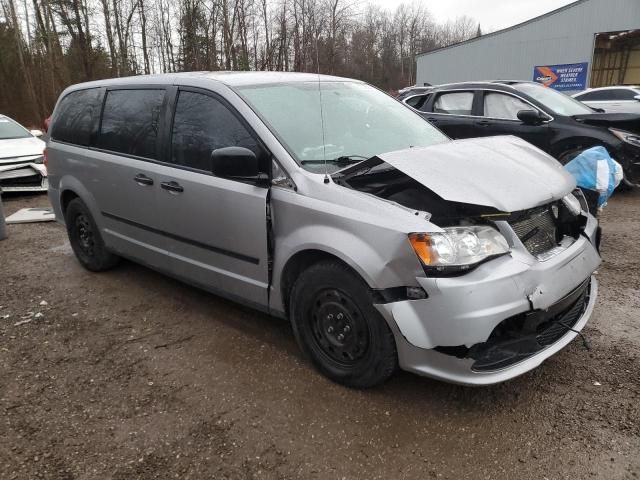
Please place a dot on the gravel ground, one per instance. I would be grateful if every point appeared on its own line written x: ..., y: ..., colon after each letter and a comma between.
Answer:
x: 129, y: 374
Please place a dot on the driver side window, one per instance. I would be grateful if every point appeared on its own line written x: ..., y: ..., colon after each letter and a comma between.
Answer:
x: 499, y: 105
x: 202, y: 124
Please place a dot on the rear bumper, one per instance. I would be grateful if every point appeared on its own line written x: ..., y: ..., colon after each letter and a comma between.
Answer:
x: 461, y: 314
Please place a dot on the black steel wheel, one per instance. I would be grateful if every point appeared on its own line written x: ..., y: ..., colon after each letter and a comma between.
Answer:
x: 335, y: 323
x: 85, y: 234
x: 85, y: 238
x: 339, y: 329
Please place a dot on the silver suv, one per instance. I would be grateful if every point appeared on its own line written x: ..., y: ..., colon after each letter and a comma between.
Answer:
x: 325, y: 201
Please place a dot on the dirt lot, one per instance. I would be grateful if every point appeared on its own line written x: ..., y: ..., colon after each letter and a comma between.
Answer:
x: 129, y: 374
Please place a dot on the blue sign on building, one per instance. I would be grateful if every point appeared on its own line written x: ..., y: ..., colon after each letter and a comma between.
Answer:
x: 569, y: 76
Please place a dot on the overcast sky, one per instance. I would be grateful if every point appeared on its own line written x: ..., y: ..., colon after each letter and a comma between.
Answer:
x: 492, y: 14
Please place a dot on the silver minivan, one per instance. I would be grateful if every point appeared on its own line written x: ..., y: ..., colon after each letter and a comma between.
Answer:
x: 324, y: 201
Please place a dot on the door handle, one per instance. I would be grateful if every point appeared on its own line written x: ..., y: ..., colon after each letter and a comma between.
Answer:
x: 173, y: 187
x: 432, y: 119
x: 143, y: 180
x: 483, y: 123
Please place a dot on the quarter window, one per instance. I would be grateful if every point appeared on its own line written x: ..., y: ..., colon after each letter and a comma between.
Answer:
x: 455, y: 103
x: 130, y: 122
x: 416, y: 102
x: 202, y: 124
x: 499, y: 105
x: 76, y: 116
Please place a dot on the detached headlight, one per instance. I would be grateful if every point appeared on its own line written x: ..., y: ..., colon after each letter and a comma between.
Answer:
x: 572, y: 204
x: 626, y: 137
x: 458, y: 249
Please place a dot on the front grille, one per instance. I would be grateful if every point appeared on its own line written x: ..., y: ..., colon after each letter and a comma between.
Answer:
x: 537, y: 230
x: 28, y: 181
x: 18, y: 160
x: 562, y: 323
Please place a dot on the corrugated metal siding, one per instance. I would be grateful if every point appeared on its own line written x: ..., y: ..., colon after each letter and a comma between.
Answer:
x: 562, y: 37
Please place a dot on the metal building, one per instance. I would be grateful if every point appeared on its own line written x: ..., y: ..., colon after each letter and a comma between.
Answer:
x: 588, y: 43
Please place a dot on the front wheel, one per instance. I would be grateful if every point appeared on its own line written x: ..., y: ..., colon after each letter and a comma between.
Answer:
x: 336, y: 325
x: 568, y: 155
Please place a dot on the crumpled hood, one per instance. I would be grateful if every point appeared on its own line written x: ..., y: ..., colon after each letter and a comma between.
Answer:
x: 503, y: 172
x: 20, y: 147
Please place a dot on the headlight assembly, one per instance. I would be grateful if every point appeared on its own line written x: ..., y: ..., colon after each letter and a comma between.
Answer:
x: 457, y: 249
x: 626, y: 137
x: 572, y: 204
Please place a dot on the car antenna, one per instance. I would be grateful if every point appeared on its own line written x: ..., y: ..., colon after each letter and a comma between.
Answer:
x: 324, y: 144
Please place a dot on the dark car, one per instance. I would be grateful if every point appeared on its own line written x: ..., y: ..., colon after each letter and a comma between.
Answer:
x: 413, y: 92
x: 552, y: 121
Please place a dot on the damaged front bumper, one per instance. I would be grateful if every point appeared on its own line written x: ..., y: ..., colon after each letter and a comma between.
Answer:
x: 23, y: 177
x: 498, y: 321
x: 629, y: 158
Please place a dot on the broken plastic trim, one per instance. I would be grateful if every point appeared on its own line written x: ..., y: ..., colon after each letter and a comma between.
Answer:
x: 521, y: 336
x: 398, y: 294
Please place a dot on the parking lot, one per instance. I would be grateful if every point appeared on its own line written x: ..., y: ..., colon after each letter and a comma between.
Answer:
x: 130, y: 374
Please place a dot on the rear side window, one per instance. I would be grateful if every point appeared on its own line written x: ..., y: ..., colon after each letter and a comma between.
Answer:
x: 455, y: 103
x: 130, y: 122
x: 202, y: 124
x: 76, y: 117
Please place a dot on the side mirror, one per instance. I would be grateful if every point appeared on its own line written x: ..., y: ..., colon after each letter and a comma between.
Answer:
x: 530, y: 117
x: 237, y: 163
x: 637, y: 97
x: 36, y: 133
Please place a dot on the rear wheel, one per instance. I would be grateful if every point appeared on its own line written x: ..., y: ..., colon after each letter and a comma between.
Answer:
x: 86, y: 240
x: 337, y: 326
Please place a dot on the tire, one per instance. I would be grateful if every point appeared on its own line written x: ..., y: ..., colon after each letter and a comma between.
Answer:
x: 568, y: 155
x: 625, y: 186
x: 86, y: 240
x: 338, y: 328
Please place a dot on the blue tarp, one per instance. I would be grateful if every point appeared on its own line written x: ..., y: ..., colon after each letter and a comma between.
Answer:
x: 594, y: 169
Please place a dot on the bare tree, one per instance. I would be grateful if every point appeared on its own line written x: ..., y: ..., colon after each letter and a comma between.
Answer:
x: 69, y: 41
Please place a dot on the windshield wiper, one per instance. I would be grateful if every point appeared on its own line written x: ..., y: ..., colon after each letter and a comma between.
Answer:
x: 342, y: 160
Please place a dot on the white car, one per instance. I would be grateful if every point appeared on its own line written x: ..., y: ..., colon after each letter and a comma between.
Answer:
x: 621, y: 99
x: 22, y: 166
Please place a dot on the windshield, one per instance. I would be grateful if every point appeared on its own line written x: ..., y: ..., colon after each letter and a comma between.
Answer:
x: 359, y: 121
x: 10, y: 129
x: 555, y: 101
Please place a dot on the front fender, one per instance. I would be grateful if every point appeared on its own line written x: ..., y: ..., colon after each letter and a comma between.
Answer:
x: 378, y: 250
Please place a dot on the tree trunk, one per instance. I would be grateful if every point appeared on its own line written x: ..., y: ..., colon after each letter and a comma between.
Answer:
x: 145, y: 53
x: 110, y: 41
x: 28, y: 82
